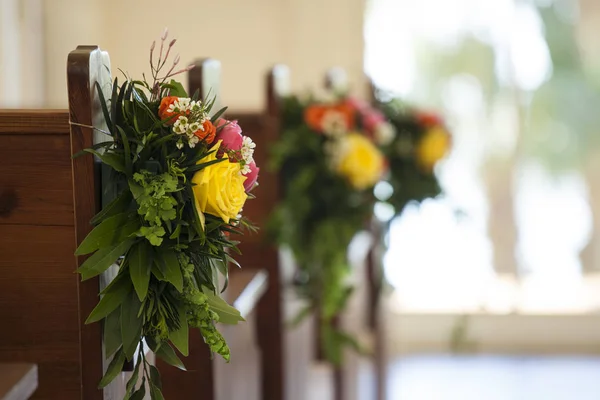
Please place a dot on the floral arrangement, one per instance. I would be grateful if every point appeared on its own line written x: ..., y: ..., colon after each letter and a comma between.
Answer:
x: 422, y: 139
x: 329, y: 162
x: 181, y: 179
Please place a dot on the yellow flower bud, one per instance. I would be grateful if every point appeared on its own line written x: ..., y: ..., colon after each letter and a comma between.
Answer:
x: 219, y: 188
x: 362, y: 163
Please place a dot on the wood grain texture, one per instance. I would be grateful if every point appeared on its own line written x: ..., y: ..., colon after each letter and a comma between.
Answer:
x: 86, y: 205
x: 35, y: 179
x: 39, y: 304
x: 41, y: 122
x: 18, y: 381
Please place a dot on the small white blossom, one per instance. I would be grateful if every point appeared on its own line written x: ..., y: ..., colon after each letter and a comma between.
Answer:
x: 247, y: 150
x: 193, y: 127
x: 334, y: 124
x: 335, y: 150
x: 245, y: 169
x: 181, y: 125
x: 384, y: 133
x: 196, y: 106
x: 193, y: 140
x: 179, y: 144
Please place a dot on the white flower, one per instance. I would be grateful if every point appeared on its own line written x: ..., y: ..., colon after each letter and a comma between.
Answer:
x: 193, y: 141
x: 181, y: 125
x: 245, y: 169
x: 196, y: 106
x: 334, y: 124
x: 179, y: 144
x: 384, y: 133
x: 193, y: 127
x: 247, y: 150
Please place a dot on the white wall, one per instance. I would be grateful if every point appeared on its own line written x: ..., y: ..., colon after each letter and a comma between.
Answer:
x: 248, y: 36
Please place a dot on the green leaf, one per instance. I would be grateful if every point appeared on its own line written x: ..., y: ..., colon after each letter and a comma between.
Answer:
x: 155, y: 377
x: 141, y: 392
x: 126, y: 149
x: 140, y: 262
x: 112, y: 333
x: 168, y: 263
x: 227, y: 314
x: 131, y: 324
x: 176, y: 89
x: 103, y: 105
x: 217, y: 115
x: 103, y: 258
x: 113, y: 105
x: 113, y: 297
x: 167, y: 354
x: 111, y: 159
x: 114, y: 368
x: 136, y: 190
x: 155, y: 393
x: 301, y: 316
x: 180, y: 338
x: 117, y: 206
x: 111, y: 231
x: 134, y: 377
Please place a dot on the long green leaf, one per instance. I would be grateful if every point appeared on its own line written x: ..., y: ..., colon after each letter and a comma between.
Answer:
x: 167, y: 354
x: 110, y: 232
x: 140, y: 394
x: 112, y: 333
x: 118, y: 291
x: 140, y: 262
x: 114, y: 368
x: 134, y: 377
x: 113, y: 107
x: 131, y: 325
x: 103, y: 105
x: 155, y: 393
x: 227, y: 314
x: 117, y: 206
x: 217, y: 115
x: 103, y: 258
x: 180, y: 338
x: 112, y: 159
x: 168, y: 264
x: 155, y: 377
x: 126, y: 148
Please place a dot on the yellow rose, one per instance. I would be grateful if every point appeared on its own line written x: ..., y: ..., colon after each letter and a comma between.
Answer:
x: 219, y: 188
x: 432, y: 147
x: 361, y: 162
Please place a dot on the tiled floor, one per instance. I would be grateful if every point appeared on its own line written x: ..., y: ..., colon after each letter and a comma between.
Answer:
x: 494, y: 378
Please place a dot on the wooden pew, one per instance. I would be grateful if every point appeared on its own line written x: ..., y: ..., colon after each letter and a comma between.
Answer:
x: 215, y: 378
x: 46, y: 201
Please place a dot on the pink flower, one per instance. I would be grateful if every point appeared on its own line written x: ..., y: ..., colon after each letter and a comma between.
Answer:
x: 251, y: 176
x: 371, y: 119
x: 357, y: 104
x: 230, y: 133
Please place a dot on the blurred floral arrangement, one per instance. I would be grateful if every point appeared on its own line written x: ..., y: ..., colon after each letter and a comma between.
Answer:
x: 180, y: 179
x: 421, y: 140
x: 329, y: 162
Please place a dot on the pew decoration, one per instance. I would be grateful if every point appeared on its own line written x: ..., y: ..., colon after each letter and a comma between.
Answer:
x: 422, y: 140
x: 181, y: 179
x: 329, y: 161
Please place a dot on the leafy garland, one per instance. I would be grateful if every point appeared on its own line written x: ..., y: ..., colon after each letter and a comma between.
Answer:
x: 421, y: 140
x: 181, y: 179
x: 328, y: 164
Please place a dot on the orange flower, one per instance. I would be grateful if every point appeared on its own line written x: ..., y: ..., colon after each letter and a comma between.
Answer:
x: 207, y: 132
x: 163, y: 110
x: 314, y: 115
x: 428, y: 119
